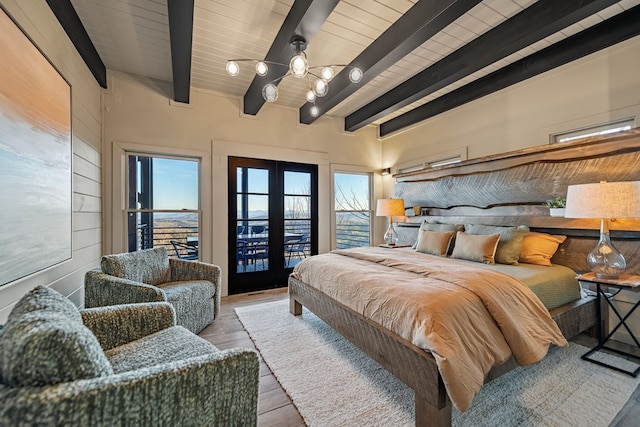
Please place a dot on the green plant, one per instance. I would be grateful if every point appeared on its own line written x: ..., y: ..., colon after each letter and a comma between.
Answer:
x: 557, y: 203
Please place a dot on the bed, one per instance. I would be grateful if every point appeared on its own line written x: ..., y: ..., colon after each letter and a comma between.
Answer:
x: 362, y: 317
x: 391, y: 330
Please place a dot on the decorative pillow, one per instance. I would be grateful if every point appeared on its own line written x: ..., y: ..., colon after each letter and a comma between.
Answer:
x: 44, y: 348
x: 434, y: 242
x: 434, y: 226
x: 539, y: 248
x: 45, y: 342
x: 150, y: 266
x: 479, y: 248
x: 510, y: 242
x: 42, y: 298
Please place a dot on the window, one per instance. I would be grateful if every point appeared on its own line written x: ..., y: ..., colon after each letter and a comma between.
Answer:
x: 163, y: 204
x: 598, y: 130
x: 352, y: 209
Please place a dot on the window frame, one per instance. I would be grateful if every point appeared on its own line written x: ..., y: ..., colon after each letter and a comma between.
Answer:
x: 116, y: 240
x: 127, y: 192
x: 351, y: 170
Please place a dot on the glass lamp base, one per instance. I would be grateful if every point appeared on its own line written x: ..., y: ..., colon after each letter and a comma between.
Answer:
x: 605, y: 260
x: 391, y: 237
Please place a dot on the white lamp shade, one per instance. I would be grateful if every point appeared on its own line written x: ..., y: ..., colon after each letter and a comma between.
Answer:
x: 390, y: 207
x: 604, y: 200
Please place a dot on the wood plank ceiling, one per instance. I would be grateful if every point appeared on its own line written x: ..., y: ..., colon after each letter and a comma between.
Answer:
x: 419, y: 57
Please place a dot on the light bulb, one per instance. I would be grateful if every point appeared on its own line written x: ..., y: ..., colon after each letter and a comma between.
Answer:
x: 327, y: 74
x: 261, y: 68
x: 233, y: 69
x: 270, y: 92
x: 355, y: 75
x: 310, y: 96
x: 320, y: 88
x: 314, y: 111
x: 299, y: 66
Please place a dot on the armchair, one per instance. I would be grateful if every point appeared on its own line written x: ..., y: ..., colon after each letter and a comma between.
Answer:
x: 193, y: 288
x: 118, y: 366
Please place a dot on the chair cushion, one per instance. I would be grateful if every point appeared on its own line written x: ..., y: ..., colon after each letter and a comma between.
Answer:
x: 45, y: 343
x: 169, y: 345
x: 150, y: 266
x: 192, y: 301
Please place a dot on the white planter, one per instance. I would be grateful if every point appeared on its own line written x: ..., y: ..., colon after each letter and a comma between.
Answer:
x: 556, y: 211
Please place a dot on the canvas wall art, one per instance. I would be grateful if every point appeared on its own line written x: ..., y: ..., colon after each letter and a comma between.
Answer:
x: 35, y: 158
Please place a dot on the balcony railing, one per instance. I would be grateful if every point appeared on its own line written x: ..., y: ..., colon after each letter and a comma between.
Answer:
x: 350, y: 235
x: 153, y: 237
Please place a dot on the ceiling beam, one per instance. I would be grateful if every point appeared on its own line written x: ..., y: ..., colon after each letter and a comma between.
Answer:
x: 425, y: 19
x: 181, y: 36
x: 605, y: 34
x: 70, y: 21
x: 536, y: 22
x: 304, y: 19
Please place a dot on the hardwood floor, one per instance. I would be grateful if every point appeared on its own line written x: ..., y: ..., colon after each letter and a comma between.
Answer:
x: 274, y: 406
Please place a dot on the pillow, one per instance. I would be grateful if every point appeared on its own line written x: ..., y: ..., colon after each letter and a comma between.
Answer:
x: 434, y: 226
x: 479, y: 248
x: 150, y: 266
x: 43, y: 348
x: 43, y: 298
x: 434, y: 242
x: 45, y: 342
x: 510, y: 242
x: 539, y: 248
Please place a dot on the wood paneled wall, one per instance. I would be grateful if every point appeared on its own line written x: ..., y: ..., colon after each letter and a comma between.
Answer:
x: 37, y: 20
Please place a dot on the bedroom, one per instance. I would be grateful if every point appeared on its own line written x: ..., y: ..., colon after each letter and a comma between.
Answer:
x: 138, y: 110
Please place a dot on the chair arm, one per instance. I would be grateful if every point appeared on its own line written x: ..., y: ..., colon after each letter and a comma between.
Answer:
x: 196, y: 270
x: 219, y: 389
x: 102, y: 289
x: 115, y: 325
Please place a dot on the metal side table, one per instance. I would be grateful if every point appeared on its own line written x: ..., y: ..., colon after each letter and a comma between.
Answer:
x: 627, y: 282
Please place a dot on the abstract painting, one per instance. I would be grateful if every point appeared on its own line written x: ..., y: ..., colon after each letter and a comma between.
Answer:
x: 35, y: 158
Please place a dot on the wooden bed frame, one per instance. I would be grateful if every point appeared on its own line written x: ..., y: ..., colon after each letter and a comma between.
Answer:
x: 547, y: 171
x: 412, y: 365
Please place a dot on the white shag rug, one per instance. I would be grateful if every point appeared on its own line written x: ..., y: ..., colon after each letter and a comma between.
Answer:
x: 332, y: 383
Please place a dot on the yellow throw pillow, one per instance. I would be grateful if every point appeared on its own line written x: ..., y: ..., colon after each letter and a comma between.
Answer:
x: 476, y: 247
x: 539, y: 248
x: 434, y: 242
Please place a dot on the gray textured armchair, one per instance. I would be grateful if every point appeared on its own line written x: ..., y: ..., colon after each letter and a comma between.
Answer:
x: 192, y: 287
x: 122, y: 365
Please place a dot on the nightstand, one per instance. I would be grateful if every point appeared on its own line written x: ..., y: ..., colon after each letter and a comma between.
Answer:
x: 627, y: 282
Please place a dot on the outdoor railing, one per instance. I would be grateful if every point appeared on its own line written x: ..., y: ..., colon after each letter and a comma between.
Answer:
x: 153, y: 237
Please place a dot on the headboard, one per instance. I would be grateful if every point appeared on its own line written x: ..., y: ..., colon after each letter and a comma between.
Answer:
x: 511, y: 188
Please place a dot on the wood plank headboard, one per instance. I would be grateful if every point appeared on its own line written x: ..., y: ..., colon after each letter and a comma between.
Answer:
x: 511, y: 188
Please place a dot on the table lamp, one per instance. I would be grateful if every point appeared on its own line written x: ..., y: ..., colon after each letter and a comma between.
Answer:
x: 390, y: 208
x: 604, y: 200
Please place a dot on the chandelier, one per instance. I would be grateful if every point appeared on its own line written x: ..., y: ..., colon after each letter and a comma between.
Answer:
x: 300, y: 69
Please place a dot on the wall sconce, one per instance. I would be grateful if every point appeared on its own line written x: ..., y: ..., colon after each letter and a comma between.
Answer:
x: 385, y: 171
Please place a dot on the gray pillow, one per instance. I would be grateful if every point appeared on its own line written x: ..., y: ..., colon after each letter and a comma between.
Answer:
x: 45, y: 342
x: 44, y: 347
x: 510, y: 242
x: 149, y: 266
x: 42, y: 298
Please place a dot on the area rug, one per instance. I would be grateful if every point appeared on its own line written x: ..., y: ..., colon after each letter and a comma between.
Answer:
x: 332, y: 383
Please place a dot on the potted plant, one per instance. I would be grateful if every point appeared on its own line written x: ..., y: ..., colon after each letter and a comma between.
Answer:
x: 556, y: 206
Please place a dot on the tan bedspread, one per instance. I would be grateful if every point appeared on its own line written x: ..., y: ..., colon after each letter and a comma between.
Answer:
x: 469, y: 318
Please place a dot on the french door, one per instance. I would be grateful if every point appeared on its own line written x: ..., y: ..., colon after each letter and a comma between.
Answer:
x: 273, y: 221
